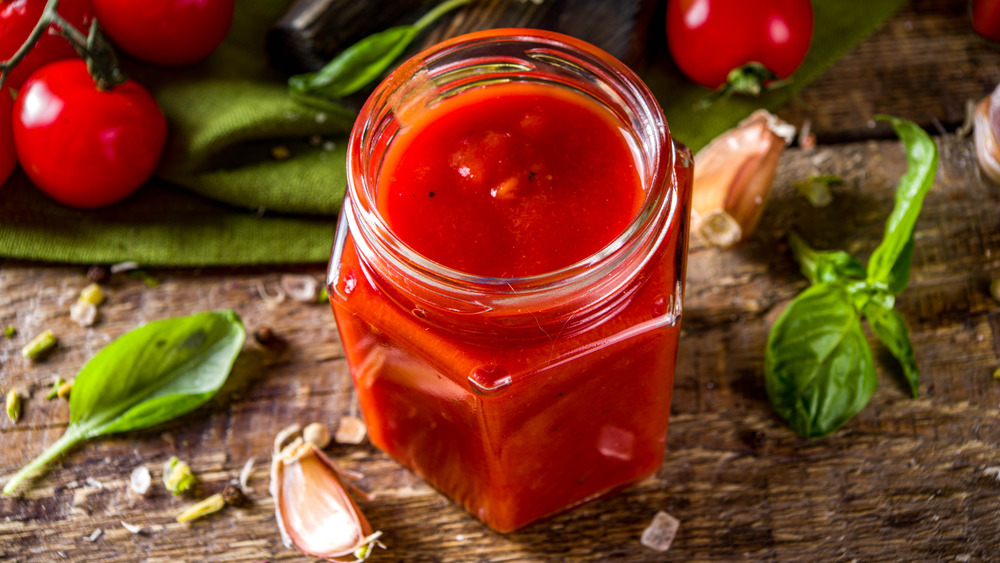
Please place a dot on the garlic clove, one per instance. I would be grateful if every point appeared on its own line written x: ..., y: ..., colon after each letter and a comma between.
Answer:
x: 987, y: 126
x: 313, y: 509
x: 733, y: 176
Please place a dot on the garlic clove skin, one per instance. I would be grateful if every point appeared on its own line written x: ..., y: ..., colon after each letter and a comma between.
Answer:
x: 313, y: 509
x: 986, y: 127
x: 733, y: 176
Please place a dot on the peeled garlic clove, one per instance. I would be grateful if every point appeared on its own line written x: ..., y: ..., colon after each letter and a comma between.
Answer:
x: 987, y: 126
x: 312, y: 506
x: 733, y: 177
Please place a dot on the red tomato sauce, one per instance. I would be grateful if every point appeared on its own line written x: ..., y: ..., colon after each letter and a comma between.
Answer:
x: 514, y: 429
x: 510, y: 180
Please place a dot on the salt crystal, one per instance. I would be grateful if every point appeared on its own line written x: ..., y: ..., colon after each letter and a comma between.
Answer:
x: 94, y: 535
x: 84, y: 313
x: 140, y: 480
x: 300, y: 287
x: 351, y: 430
x: 94, y: 483
x: 134, y: 528
x: 661, y: 532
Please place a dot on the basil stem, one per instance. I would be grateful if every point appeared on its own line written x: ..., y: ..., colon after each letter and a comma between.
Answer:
x: 150, y: 375
x: 822, y: 266
x: 365, y: 61
x: 818, y: 367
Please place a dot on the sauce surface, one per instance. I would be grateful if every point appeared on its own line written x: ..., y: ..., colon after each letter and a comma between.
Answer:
x: 510, y: 180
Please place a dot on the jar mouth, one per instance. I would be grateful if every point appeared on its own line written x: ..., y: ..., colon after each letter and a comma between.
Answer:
x: 506, y: 55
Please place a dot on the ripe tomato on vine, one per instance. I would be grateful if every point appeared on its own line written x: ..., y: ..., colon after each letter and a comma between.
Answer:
x: 709, y: 39
x: 19, y: 17
x: 8, y: 156
x: 83, y: 146
x: 166, y: 32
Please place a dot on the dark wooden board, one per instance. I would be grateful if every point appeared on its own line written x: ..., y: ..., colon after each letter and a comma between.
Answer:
x: 923, y: 65
x: 906, y: 480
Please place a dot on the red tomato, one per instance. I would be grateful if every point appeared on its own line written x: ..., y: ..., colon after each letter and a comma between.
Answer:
x: 166, y: 32
x: 18, y: 18
x: 82, y: 146
x: 709, y: 38
x: 8, y: 158
x: 986, y: 18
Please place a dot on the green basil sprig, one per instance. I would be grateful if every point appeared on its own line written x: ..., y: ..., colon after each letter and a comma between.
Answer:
x: 818, y: 367
x: 365, y: 61
x: 150, y: 375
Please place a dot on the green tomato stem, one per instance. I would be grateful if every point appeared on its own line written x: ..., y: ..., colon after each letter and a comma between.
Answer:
x: 33, y: 37
x: 70, y: 438
x: 102, y: 63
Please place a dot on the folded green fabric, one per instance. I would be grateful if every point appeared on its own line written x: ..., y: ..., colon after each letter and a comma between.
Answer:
x: 251, y: 177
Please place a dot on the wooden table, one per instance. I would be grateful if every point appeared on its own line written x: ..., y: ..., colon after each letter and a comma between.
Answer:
x: 905, y: 480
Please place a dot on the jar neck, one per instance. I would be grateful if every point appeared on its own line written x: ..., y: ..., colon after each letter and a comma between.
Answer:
x: 583, y: 291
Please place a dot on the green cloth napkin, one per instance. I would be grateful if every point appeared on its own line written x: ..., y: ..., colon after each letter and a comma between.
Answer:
x: 222, y: 198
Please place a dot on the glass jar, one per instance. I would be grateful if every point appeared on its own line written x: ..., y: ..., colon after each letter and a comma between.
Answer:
x: 516, y: 397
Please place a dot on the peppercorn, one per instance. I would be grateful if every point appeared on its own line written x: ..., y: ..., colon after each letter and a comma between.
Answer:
x: 234, y: 496
x: 98, y: 274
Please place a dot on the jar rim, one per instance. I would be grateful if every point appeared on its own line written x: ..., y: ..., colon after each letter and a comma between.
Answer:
x: 364, y: 219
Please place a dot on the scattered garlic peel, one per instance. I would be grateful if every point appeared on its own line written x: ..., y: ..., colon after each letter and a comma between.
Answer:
x: 313, y: 509
x: 282, y: 436
x: 300, y: 287
x: 245, y: 475
x: 277, y: 298
x: 733, y: 177
x: 987, y: 124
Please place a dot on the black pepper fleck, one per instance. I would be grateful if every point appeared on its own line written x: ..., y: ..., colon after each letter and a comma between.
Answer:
x: 233, y: 495
x: 98, y: 274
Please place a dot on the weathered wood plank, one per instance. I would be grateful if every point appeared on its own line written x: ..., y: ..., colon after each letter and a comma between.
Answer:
x: 923, y: 65
x: 905, y: 480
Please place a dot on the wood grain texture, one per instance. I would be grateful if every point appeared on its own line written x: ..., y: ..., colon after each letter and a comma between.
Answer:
x: 905, y: 480
x: 922, y: 65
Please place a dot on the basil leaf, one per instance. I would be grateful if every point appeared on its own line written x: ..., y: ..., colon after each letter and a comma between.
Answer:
x: 899, y: 277
x: 890, y: 263
x: 150, y: 375
x: 891, y: 329
x: 365, y: 61
x: 825, y: 266
x: 355, y: 67
x: 818, y: 368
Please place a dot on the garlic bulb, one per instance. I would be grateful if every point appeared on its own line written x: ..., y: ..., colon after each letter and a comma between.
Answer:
x: 313, y: 509
x: 987, y: 126
x: 733, y: 177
